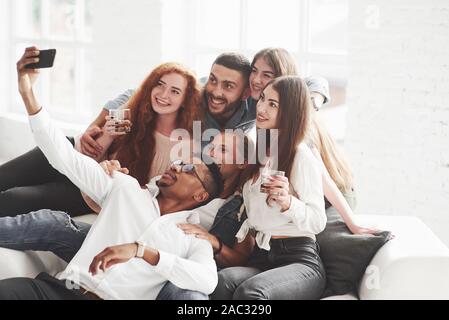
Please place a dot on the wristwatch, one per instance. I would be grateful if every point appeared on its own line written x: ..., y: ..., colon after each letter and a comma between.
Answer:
x: 140, y: 249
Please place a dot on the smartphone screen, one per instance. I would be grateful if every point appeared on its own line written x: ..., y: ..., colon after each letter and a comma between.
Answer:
x: 46, y: 59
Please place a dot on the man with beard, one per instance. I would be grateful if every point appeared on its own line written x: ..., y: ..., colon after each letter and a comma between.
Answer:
x: 224, y: 96
x: 224, y: 103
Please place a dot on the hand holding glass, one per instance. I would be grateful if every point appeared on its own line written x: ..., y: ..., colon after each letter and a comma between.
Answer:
x: 119, y: 121
x: 265, y: 174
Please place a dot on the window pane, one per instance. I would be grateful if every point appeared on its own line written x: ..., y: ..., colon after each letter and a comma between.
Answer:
x: 329, y: 69
x: 88, y: 85
x: 87, y: 27
x: 328, y: 26
x: 218, y: 24
x: 62, y: 80
x: 273, y: 24
x: 203, y: 63
x: 62, y: 18
x: 28, y: 18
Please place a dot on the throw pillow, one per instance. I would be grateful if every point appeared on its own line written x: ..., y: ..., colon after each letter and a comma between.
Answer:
x: 345, y: 255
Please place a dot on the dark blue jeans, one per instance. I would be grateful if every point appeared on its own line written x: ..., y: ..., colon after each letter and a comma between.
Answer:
x: 57, y: 232
x: 43, y: 230
x: 291, y: 270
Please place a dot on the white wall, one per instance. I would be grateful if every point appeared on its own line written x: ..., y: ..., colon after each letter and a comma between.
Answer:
x: 398, y: 123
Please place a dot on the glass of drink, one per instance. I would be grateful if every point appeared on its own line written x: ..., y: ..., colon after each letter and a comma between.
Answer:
x: 122, y: 118
x: 265, y: 174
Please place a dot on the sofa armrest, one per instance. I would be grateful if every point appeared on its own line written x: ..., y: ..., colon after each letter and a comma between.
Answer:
x: 413, y: 265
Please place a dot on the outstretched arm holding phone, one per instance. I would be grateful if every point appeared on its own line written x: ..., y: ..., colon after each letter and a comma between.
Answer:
x: 26, y: 79
x: 83, y: 171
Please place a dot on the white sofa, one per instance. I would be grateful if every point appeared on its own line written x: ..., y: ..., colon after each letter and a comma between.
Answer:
x: 414, y: 265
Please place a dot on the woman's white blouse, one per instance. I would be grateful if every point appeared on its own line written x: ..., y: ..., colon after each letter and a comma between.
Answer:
x: 306, y: 216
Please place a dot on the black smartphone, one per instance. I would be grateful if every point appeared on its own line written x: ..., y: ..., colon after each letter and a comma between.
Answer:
x: 46, y: 59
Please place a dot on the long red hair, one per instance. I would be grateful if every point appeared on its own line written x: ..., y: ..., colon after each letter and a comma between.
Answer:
x: 135, y: 150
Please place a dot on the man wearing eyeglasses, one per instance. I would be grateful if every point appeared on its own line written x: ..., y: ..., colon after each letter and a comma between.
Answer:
x: 134, y: 247
x: 55, y: 231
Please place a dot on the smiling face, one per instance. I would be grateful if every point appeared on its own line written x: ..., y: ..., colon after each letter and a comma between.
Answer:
x: 268, y: 109
x: 168, y: 95
x: 224, y: 91
x: 185, y: 186
x: 261, y: 75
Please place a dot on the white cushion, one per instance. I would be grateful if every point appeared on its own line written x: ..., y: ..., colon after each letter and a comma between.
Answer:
x: 28, y: 264
x: 414, y: 265
x: 348, y: 296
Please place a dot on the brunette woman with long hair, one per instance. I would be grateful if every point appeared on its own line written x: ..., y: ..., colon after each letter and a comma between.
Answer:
x: 338, y: 182
x: 267, y: 65
x: 285, y: 263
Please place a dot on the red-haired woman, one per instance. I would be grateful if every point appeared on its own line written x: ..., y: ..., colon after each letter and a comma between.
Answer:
x: 166, y: 100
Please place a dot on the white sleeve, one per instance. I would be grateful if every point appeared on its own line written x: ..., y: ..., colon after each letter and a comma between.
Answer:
x: 307, y: 212
x: 83, y: 171
x: 197, y: 272
x: 77, y: 145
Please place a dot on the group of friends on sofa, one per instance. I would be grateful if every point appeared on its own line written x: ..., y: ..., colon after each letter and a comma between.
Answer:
x: 194, y: 227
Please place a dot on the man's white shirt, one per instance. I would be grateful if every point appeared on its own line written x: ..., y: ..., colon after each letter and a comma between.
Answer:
x: 129, y: 213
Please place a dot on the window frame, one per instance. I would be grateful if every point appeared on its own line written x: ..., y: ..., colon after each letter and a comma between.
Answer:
x: 78, y: 111
x: 304, y: 56
x: 5, y: 81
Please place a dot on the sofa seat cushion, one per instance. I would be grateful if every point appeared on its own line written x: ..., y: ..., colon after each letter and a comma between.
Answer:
x: 348, y: 296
